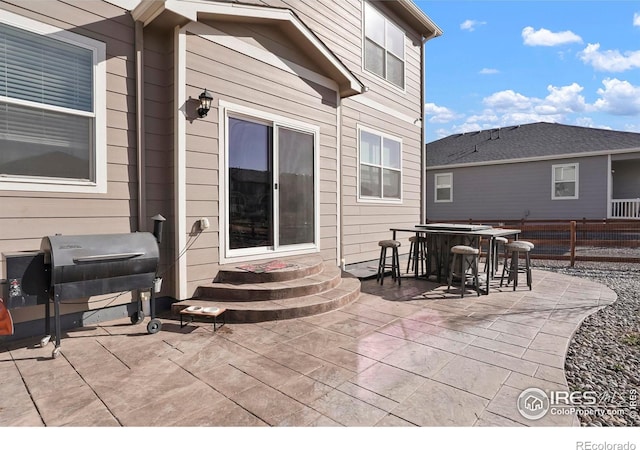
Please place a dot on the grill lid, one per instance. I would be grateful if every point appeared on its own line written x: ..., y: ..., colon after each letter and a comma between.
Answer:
x: 86, y: 265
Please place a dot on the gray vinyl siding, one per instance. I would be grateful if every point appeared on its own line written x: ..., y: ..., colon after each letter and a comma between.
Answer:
x: 365, y: 223
x: 159, y: 145
x: 27, y: 216
x: 520, y: 190
x: 340, y: 26
x: 239, y: 79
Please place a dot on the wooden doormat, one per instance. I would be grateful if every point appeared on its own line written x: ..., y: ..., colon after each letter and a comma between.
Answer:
x: 266, y: 267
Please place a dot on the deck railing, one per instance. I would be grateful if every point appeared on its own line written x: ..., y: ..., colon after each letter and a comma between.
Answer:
x: 625, y: 208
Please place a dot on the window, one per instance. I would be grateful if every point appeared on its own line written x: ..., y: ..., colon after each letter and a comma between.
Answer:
x: 380, y: 166
x: 51, y: 121
x: 565, y: 181
x: 383, y: 47
x: 443, y: 187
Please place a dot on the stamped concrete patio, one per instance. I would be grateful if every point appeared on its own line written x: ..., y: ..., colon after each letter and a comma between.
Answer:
x: 398, y: 356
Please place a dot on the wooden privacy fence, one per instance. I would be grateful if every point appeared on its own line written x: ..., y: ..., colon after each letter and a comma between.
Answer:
x: 576, y: 240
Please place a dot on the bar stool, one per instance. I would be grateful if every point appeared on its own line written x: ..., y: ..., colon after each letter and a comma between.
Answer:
x: 421, y: 242
x: 530, y: 244
x: 395, y: 260
x: 468, y: 260
x: 495, y: 252
x: 512, y: 266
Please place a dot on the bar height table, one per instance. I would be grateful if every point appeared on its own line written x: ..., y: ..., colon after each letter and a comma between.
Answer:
x: 442, y: 235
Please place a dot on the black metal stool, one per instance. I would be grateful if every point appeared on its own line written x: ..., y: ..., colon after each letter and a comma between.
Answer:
x: 395, y: 260
x: 512, y: 266
x: 468, y: 260
x: 421, y: 242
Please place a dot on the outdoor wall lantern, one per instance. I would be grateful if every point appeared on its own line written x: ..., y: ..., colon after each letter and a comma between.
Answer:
x: 205, y: 103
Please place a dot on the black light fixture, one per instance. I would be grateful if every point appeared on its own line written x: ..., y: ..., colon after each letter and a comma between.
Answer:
x: 205, y: 103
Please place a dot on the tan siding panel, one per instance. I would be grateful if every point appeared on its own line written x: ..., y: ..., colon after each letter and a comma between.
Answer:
x: 26, y: 228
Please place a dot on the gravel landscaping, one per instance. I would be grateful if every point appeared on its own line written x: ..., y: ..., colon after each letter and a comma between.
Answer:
x: 604, y: 353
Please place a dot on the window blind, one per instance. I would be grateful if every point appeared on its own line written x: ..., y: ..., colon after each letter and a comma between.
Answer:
x: 45, y: 70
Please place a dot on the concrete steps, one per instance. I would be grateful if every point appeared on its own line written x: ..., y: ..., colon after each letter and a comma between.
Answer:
x: 307, y: 287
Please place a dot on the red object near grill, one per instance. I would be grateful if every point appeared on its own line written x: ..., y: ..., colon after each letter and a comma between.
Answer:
x: 6, y: 322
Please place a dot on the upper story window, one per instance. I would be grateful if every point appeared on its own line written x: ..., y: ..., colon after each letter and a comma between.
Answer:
x: 565, y: 181
x: 383, y: 47
x: 443, y: 187
x: 380, y: 166
x: 51, y: 121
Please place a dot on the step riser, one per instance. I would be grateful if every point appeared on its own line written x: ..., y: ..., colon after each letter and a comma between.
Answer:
x: 249, y: 295
x: 253, y: 316
x: 307, y: 287
x: 228, y: 276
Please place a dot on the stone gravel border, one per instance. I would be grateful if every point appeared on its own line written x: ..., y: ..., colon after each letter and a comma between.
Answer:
x: 604, y: 353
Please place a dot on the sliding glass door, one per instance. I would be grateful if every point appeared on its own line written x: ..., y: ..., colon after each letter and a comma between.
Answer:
x: 296, y: 206
x: 271, y: 196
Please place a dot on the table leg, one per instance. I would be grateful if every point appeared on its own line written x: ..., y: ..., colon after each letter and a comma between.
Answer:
x: 489, y: 264
x: 416, y: 249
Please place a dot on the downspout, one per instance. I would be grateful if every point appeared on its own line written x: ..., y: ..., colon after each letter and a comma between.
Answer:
x: 423, y: 128
x: 140, y: 130
x: 341, y: 261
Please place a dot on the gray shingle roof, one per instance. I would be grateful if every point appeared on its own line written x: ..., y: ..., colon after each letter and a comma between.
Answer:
x: 526, y: 141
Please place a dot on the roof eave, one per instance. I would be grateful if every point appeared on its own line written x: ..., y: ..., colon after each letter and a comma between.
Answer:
x: 495, y: 162
x: 423, y: 23
x: 148, y: 10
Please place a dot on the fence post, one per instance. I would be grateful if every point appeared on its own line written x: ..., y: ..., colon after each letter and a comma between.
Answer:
x: 572, y: 231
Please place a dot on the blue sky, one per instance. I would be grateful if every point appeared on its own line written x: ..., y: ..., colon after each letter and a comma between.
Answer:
x: 502, y: 63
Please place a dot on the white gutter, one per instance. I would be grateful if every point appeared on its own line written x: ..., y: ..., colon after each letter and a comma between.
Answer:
x: 416, y: 12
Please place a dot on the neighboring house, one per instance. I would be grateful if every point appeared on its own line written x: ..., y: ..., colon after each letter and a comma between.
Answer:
x: 534, y: 171
x: 313, y: 140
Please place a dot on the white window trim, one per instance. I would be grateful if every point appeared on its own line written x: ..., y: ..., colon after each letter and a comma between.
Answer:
x: 45, y: 184
x: 363, y: 199
x: 402, y: 89
x: 228, y: 256
x: 436, y: 186
x: 553, y: 181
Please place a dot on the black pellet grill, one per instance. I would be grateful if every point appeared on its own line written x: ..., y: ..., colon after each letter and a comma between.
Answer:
x: 78, y: 267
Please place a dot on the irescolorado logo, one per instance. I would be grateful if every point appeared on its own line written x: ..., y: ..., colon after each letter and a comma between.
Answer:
x: 533, y: 403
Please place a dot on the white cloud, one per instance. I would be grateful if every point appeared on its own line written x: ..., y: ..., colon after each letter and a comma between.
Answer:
x: 507, y: 101
x: 470, y: 25
x: 546, y: 38
x: 439, y: 114
x: 508, y: 107
x: 487, y: 71
x: 609, y: 60
x: 562, y: 100
x: 562, y: 104
x: 618, y: 97
x: 584, y: 122
x: 636, y: 20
